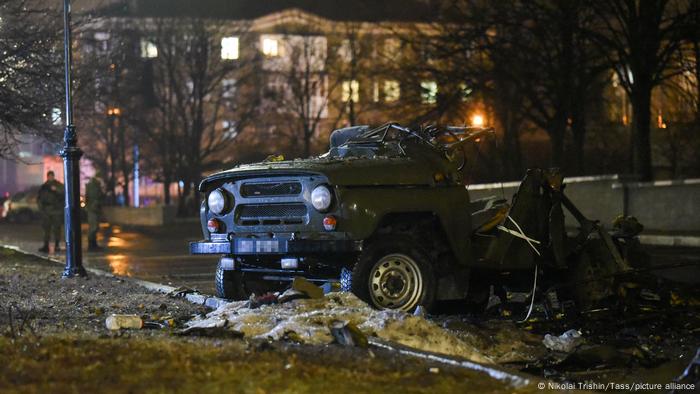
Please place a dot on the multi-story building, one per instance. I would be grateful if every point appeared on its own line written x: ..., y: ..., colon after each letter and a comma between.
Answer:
x: 317, y: 64
x: 257, y: 79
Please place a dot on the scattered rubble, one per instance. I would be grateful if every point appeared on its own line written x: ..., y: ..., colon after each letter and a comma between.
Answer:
x: 347, y: 334
x: 310, y: 319
x: 565, y: 343
x: 652, y: 328
x: 691, y: 374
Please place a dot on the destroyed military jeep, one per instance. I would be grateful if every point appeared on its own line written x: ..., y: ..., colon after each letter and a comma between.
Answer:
x: 386, y: 212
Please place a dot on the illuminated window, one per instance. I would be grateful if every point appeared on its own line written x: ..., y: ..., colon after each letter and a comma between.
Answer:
x: 392, y: 91
x: 351, y: 91
x: 229, y: 129
x: 345, y: 50
x: 228, y: 88
x: 148, y: 49
x: 375, y: 91
x: 429, y: 90
x: 270, y: 47
x: 229, y: 48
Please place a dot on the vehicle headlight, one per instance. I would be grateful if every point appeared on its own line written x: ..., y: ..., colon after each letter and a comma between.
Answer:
x: 321, y: 198
x: 217, y: 201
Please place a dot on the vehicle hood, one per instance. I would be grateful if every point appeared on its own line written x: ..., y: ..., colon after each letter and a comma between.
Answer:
x: 398, y: 171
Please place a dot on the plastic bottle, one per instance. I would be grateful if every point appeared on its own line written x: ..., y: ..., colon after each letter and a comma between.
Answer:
x: 116, y: 322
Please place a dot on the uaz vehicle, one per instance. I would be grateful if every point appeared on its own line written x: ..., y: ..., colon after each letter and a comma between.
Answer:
x: 387, y: 212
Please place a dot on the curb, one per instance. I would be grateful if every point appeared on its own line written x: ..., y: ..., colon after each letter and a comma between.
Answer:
x: 670, y: 240
x: 685, y: 241
x: 195, y: 298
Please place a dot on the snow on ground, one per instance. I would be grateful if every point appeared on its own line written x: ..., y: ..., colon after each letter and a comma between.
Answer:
x: 308, y: 320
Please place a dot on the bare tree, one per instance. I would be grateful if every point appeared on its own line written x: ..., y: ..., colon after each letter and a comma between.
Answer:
x: 199, y: 100
x: 30, y: 73
x: 640, y: 40
x: 298, y: 88
x: 108, y: 79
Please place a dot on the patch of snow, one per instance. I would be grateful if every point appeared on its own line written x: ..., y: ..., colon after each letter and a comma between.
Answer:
x: 309, y: 319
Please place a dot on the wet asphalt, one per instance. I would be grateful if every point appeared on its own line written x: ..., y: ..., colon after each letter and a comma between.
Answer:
x: 158, y: 254
x: 161, y: 254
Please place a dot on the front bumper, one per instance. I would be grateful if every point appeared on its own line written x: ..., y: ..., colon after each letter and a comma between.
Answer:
x: 276, y: 246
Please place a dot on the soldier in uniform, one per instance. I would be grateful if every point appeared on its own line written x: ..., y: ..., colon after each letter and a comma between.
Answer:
x: 93, y: 204
x: 51, y: 202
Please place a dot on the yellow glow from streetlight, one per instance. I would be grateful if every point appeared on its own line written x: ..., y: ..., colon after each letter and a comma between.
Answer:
x: 477, y: 120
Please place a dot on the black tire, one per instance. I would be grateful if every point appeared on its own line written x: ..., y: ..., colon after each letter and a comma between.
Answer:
x: 229, y: 284
x: 403, y: 260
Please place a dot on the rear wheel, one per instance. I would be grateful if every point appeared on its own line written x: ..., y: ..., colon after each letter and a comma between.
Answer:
x: 394, y: 273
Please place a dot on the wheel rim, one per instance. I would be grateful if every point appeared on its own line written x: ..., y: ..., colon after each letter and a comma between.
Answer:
x: 396, y: 282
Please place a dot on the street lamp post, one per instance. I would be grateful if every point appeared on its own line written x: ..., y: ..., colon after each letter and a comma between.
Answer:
x: 71, y: 154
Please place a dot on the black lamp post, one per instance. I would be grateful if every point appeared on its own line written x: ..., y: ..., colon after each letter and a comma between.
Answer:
x: 71, y: 154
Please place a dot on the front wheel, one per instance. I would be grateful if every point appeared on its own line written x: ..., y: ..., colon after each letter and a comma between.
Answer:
x: 394, y: 273
x: 229, y: 284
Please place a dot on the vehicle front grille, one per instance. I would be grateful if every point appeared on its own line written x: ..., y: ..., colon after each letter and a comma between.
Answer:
x: 270, y: 189
x: 270, y: 214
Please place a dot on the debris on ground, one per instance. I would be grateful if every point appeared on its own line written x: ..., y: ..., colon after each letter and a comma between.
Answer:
x: 117, y: 322
x: 565, y: 343
x: 211, y: 332
x: 265, y: 299
x: 347, y: 334
x: 303, y: 286
x: 32, y: 287
x: 652, y: 328
x: 420, y: 311
x: 291, y: 294
x: 309, y: 320
x: 53, y: 331
x: 691, y: 374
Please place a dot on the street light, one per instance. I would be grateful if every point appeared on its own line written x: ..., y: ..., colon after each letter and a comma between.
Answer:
x: 477, y: 120
x: 71, y: 154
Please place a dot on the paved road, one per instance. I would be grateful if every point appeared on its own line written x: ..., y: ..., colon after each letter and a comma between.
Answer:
x: 158, y: 254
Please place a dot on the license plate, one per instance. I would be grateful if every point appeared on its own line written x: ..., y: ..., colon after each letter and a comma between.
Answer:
x: 210, y: 248
x: 253, y: 246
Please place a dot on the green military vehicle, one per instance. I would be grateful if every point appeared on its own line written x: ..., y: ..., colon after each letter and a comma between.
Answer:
x: 386, y: 212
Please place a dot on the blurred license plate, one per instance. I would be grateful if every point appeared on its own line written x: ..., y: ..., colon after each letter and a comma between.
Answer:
x: 210, y: 247
x: 251, y: 246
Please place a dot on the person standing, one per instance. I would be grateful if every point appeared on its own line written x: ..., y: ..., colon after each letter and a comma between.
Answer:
x: 93, y: 204
x: 51, y: 202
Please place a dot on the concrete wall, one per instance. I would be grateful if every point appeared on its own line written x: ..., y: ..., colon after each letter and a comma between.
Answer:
x: 664, y: 206
x: 158, y: 215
